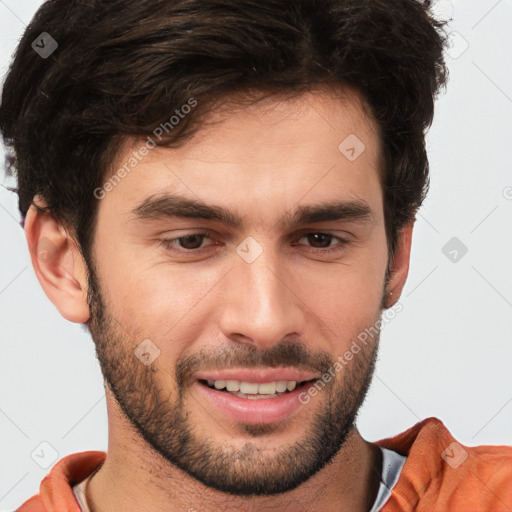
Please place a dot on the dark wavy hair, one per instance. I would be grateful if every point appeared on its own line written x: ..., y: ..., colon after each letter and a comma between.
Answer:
x: 122, y: 68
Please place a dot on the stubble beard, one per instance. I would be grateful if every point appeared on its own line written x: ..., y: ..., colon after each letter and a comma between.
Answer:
x: 161, y: 418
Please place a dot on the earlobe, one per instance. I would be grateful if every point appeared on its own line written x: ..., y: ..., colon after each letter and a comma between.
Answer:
x: 58, y: 263
x: 399, y: 266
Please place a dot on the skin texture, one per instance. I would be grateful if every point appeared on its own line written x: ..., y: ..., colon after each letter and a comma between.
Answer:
x: 294, y: 306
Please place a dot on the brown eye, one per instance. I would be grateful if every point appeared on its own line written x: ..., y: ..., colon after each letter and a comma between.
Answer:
x: 323, y: 243
x: 191, y: 241
x: 188, y: 243
x: 319, y: 240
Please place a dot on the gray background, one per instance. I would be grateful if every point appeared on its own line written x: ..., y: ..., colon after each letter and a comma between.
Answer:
x: 448, y: 353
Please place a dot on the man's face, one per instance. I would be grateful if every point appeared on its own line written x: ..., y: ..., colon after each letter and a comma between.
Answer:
x: 272, y: 296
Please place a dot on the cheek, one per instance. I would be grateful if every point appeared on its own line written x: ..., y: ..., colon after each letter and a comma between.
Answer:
x: 165, y: 303
x: 347, y: 298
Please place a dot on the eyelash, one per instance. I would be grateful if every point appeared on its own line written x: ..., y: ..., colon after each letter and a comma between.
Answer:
x: 170, y: 246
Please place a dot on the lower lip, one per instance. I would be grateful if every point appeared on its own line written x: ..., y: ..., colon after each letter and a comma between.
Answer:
x: 260, y: 411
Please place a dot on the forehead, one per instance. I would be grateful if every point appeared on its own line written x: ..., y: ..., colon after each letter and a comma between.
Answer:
x: 276, y: 151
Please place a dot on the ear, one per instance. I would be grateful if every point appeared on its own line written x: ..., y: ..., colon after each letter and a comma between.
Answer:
x: 57, y: 262
x: 399, y: 265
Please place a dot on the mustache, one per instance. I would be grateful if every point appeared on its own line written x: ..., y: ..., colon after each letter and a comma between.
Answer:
x: 285, y: 354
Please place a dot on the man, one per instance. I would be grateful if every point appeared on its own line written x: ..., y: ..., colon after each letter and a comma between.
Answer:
x: 224, y: 193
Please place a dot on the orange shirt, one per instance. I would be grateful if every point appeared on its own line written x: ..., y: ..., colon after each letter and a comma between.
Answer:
x: 440, y: 475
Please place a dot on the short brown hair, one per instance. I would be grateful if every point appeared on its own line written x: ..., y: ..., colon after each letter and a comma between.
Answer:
x: 122, y: 68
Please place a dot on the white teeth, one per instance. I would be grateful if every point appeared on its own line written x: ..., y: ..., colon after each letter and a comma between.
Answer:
x: 233, y: 385
x: 281, y: 386
x: 253, y: 388
x: 249, y: 388
x: 268, y: 388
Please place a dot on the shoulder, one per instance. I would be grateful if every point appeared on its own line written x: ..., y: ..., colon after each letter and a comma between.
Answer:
x: 34, y: 504
x: 442, y: 474
x: 56, y: 489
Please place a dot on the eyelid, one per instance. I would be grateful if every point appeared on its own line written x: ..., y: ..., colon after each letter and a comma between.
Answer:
x: 334, y: 235
x: 169, y: 243
x: 342, y: 242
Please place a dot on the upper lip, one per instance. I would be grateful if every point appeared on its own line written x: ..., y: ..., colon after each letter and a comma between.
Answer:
x: 257, y: 375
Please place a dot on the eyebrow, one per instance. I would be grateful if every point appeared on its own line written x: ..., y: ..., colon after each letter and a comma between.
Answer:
x: 172, y: 206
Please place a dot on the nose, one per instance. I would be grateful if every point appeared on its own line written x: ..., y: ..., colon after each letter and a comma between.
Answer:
x: 260, y: 303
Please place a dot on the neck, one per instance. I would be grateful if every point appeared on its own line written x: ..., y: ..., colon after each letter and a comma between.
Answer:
x: 136, y: 478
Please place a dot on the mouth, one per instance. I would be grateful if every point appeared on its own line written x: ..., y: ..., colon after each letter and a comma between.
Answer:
x: 256, y: 397
x: 254, y: 390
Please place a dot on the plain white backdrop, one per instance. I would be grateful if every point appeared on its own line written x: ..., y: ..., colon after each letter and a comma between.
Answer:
x: 447, y: 354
